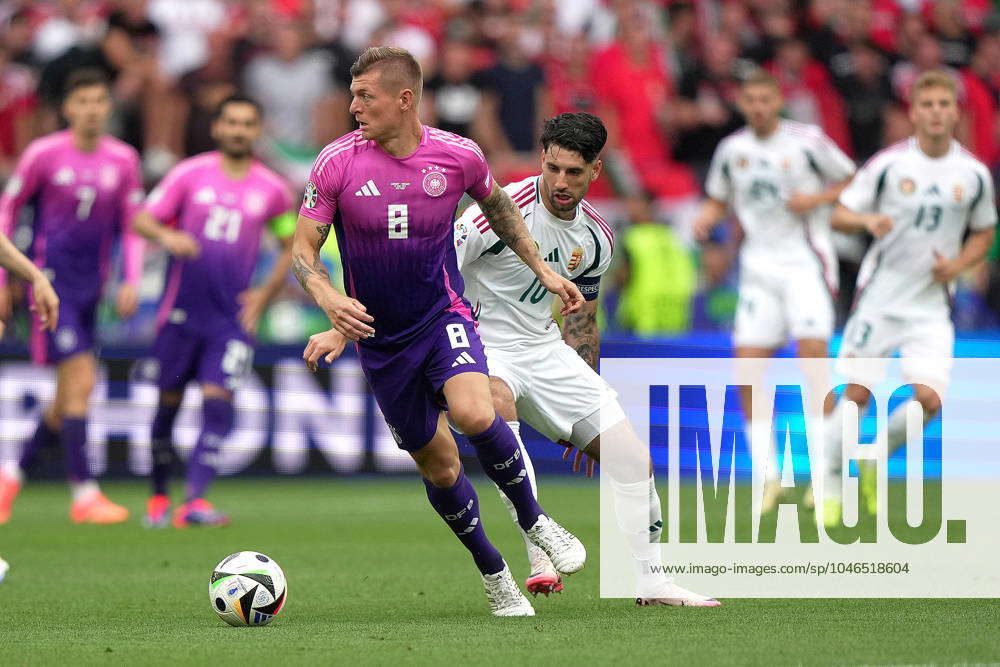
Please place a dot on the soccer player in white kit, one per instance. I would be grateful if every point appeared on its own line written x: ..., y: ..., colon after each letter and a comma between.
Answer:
x: 780, y: 177
x: 918, y: 198
x: 549, y: 378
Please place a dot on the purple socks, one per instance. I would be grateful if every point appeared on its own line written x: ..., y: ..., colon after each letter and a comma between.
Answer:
x: 459, y: 507
x: 217, y: 422
x: 161, y: 441
x: 74, y: 442
x: 500, y: 457
x: 43, y: 438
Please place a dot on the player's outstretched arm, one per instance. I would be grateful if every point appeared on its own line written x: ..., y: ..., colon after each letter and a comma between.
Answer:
x: 46, y: 302
x: 506, y: 221
x: 846, y: 220
x: 800, y: 203
x: 580, y: 332
x: 712, y: 211
x: 176, y: 242
x: 254, y: 301
x: 348, y: 316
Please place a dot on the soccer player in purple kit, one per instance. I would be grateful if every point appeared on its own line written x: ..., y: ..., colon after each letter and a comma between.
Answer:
x: 389, y: 190
x: 86, y: 187
x: 222, y: 202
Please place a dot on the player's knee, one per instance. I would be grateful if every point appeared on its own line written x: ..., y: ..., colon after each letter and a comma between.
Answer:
x: 857, y: 393
x: 171, y: 398
x: 928, y: 399
x: 441, y: 473
x: 471, y: 417
x: 216, y: 392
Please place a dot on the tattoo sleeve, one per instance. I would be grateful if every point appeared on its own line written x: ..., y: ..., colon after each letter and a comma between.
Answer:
x: 580, y: 333
x: 306, y: 262
x: 506, y: 220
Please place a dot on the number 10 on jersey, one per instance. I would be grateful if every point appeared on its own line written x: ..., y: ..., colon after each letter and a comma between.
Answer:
x: 399, y: 219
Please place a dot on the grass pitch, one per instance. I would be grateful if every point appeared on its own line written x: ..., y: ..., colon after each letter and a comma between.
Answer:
x: 376, y: 578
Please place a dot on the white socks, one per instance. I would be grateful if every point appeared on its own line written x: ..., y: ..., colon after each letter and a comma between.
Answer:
x: 896, y: 428
x: 833, y: 444
x: 12, y: 470
x: 515, y: 426
x: 83, y: 490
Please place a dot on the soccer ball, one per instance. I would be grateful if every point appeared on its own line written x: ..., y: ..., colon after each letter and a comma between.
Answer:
x: 247, y: 588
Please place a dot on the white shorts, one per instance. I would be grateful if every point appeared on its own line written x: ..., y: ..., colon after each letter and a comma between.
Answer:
x: 925, y: 346
x: 553, y: 389
x: 792, y: 303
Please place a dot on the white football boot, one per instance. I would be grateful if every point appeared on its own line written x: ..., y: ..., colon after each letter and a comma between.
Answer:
x: 506, y: 599
x: 565, y: 551
x: 668, y: 594
x: 544, y: 577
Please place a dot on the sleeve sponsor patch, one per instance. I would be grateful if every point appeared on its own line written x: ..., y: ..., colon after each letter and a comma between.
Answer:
x: 310, y: 195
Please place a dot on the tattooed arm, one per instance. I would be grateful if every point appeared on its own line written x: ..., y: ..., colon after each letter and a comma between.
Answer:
x: 347, y: 315
x: 580, y: 333
x: 506, y: 220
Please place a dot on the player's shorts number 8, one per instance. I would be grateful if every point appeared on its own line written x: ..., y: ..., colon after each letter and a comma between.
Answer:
x: 237, y: 359
x: 399, y: 216
x: 457, y: 336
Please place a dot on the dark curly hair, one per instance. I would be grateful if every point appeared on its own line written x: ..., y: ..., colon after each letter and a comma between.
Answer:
x: 579, y: 132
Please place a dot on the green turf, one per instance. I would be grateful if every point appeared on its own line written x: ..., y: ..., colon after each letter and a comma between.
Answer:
x: 375, y: 577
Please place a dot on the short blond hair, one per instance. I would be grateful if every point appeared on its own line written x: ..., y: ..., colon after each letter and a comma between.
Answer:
x: 761, y: 77
x: 398, y: 67
x: 934, y: 78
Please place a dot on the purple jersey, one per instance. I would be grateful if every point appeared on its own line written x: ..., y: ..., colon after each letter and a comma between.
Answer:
x: 227, y: 217
x: 393, y: 218
x: 82, y: 201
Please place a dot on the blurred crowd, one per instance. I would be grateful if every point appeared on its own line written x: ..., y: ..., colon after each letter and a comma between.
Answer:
x: 664, y: 76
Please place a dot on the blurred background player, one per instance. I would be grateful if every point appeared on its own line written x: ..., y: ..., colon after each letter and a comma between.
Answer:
x: 222, y: 203
x: 550, y: 380
x: 780, y: 177
x: 919, y: 198
x: 85, y: 186
x: 390, y: 190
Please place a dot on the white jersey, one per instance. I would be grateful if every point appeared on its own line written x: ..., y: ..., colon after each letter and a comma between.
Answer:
x: 757, y: 177
x: 931, y: 201
x: 507, y: 298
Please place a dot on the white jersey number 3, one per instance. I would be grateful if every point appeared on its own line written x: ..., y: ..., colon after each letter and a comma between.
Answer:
x: 399, y: 218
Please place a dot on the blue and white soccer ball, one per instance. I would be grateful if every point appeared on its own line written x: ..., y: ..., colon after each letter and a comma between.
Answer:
x: 247, y: 588
x: 3, y: 569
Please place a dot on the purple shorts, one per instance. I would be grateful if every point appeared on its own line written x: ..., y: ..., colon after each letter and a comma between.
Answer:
x: 183, y: 355
x: 75, y: 333
x: 407, y: 379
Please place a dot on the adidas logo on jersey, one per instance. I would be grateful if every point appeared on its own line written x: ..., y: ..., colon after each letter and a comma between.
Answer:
x: 553, y: 256
x: 464, y: 358
x: 368, y: 190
